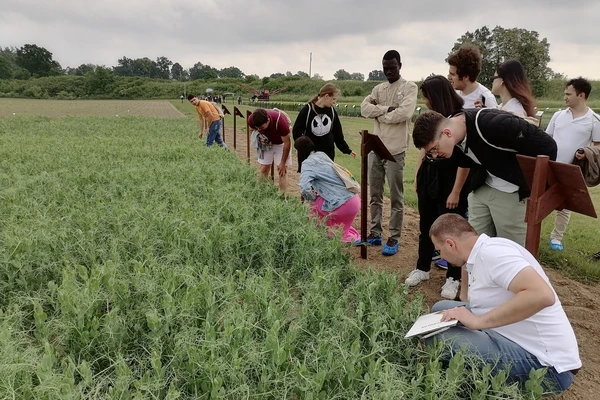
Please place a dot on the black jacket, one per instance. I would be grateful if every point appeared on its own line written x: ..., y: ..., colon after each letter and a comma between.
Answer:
x: 503, y: 136
x: 323, y: 127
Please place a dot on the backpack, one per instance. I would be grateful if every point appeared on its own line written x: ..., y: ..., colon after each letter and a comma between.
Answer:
x: 346, y: 176
x: 279, y: 116
x: 219, y: 109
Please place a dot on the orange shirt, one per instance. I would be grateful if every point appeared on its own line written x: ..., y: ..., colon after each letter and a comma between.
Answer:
x: 207, y: 111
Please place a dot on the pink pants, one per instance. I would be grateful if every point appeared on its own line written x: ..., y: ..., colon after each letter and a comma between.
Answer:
x: 342, y: 217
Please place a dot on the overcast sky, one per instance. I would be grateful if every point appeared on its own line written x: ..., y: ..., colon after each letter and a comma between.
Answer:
x: 266, y: 36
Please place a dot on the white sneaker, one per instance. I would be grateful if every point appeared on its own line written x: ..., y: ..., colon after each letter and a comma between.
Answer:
x: 450, y: 289
x: 415, y: 277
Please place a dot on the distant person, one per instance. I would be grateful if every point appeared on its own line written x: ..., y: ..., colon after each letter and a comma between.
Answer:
x: 510, y: 316
x: 210, y: 121
x: 440, y: 187
x: 320, y: 184
x: 181, y: 98
x: 319, y: 120
x: 511, y: 84
x: 463, y: 71
x: 274, y: 129
x: 239, y: 100
x: 391, y: 106
x: 488, y: 140
x: 573, y: 128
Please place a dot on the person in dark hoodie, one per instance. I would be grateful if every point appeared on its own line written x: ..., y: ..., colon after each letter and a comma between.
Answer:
x: 320, y: 122
x: 488, y: 140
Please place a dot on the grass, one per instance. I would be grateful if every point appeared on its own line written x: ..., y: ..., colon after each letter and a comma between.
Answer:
x: 137, y: 263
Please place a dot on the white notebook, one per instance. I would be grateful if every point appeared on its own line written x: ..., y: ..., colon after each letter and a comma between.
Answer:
x: 429, y: 325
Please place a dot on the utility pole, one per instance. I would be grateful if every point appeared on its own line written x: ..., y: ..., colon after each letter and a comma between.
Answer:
x: 310, y: 66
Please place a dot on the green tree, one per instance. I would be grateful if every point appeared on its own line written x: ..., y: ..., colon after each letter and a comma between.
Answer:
x: 124, y: 67
x: 231, y: 72
x: 276, y: 75
x: 6, y: 70
x: 342, y: 75
x: 317, y: 76
x: 100, y: 81
x: 163, y: 66
x: 176, y: 71
x: 82, y: 69
x: 357, y: 76
x: 37, y: 60
x: 201, y: 71
x: 500, y: 44
x: 376, y: 75
x: 302, y: 74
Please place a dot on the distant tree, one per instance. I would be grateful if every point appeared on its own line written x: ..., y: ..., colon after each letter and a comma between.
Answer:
x: 499, y: 45
x: 37, y: 60
x: 377, y: 75
x: 317, y: 76
x: 124, y: 67
x: 277, y: 75
x: 6, y: 70
x: 302, y: 74
x: 82, y: 69
x: 201, y: 71
x: 289, y: 73
x: 163, y: 66
x: 100, y: 81
x: 252, y: 77
x: 357, y: 76
x: 144, y: 67
x: 342, y: 75
x: 265, y: 80
x: 176, y: 71
x: 231, y: 72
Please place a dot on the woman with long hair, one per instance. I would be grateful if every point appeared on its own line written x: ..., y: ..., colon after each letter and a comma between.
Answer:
x: 440, y: 187
x: 320, y: 122
x: 321, y: 185
x: 511, y: 84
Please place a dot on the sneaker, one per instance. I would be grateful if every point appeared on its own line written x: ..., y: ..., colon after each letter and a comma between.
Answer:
x: 436, y: 256
x: 596, y: 256
x: 441, y: 263
x: 415, y: 277
x: 390, y: 248
x: 450, y: 289
x: 372, y: 240
x: 556, y: 245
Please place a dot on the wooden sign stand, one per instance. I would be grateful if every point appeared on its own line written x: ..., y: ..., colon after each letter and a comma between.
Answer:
x: 369, y: 143
x: 554, y: 186
x: 236, y: 113
x: 225, y: 112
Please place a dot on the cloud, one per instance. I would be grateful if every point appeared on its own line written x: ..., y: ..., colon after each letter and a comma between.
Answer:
x: 266, y: 36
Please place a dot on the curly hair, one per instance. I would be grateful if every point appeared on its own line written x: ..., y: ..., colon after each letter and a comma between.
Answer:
x: 467, y: 60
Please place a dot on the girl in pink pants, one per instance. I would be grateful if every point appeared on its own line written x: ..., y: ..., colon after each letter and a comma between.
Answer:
x: 342, y: 216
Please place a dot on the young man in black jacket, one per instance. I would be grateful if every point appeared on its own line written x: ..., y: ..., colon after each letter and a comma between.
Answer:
x: 489, y: 141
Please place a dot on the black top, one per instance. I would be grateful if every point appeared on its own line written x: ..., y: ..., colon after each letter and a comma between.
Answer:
x: 322, y: 125
x: 503, y: 136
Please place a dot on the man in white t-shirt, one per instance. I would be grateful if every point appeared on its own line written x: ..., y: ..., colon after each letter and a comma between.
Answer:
x: 573, y: 128
x: 464, y: 68
x: 510, y: 315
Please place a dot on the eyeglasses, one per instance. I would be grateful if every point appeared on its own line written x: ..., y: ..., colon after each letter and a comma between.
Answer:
x: 495, y: 77
x: 433, y: 151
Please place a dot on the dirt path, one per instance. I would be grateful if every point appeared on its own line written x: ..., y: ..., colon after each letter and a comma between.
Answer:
x: 579, y: 300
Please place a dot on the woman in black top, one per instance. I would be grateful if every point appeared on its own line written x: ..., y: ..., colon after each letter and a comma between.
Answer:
x: 440, y: 187
x: 320, y: 122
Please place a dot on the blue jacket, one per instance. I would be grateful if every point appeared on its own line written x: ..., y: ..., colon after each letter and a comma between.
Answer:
x: 317, y: 173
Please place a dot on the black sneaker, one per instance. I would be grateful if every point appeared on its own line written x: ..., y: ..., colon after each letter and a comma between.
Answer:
x: 596, y: 256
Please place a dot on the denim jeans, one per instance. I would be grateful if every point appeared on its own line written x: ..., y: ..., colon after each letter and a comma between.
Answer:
x: 214, y: 134
x: 499, y: 352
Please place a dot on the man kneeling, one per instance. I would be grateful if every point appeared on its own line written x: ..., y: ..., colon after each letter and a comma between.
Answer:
x: 510, y: 314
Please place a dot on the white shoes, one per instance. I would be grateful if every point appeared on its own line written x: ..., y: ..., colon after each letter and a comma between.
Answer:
x: 415, y: 277
x: 450, y: 289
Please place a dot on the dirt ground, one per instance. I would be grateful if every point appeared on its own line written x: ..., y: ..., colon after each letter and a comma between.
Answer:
x: 578, y: 299
x: 104, y: 108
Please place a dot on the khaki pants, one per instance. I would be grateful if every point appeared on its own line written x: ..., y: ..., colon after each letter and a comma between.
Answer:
x: 378, y: 170
x: 560, y: 225
x: 498, y: 213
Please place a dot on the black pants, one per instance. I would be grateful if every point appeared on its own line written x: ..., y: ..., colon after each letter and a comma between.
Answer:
x: 429, y: 210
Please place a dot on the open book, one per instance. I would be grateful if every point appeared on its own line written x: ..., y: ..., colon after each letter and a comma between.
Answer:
x: 429, y: 325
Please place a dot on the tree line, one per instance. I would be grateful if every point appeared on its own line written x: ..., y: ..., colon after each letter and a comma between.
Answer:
x: 497, y: 44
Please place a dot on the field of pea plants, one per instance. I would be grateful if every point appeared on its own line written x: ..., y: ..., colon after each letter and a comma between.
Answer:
x: 135, y: 263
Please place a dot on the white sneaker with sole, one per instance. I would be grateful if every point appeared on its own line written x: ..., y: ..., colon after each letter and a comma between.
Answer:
x: 415, y: 277
x: 450, y: 289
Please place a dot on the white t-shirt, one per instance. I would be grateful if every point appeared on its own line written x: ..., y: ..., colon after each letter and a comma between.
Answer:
x: 514, y: 106
x: 490, y: 99
x: 548, y: 334
x: 571, y: 133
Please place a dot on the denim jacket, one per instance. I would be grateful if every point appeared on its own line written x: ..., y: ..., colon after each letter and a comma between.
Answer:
x: 317, y: 173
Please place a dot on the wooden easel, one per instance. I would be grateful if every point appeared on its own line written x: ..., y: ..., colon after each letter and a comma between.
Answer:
x: 225, y: 112
x: 554, y: 186
x: 369, y: 143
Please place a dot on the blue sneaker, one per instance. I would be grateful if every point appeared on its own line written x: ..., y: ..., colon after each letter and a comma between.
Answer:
x: 372, y: 240
x: 556, y: 245
x: 390, y: 248
x: 441, y: 263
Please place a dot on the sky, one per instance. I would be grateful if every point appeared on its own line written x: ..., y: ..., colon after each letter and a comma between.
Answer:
x: 267, y: 36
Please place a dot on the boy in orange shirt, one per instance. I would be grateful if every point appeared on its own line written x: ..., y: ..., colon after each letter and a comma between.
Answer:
x: 210, y: 120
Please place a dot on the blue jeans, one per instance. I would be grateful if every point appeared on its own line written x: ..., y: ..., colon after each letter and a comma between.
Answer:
x: 498, y: 351
x: 214, y: 134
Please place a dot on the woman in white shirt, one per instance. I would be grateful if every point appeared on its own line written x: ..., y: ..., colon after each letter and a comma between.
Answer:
x: 511, y: 84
